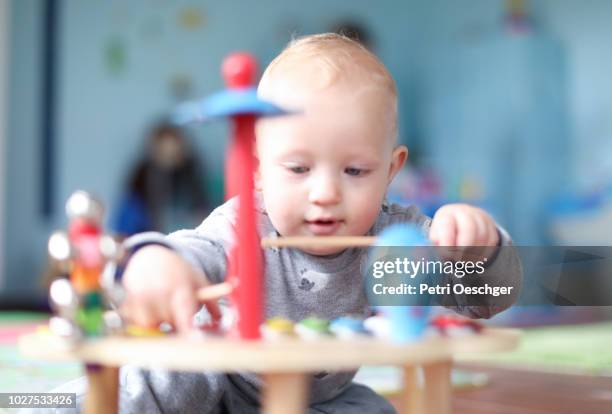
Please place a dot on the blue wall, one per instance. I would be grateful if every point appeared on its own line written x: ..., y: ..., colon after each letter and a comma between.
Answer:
x: 26, y: 231
x: 103, y: 112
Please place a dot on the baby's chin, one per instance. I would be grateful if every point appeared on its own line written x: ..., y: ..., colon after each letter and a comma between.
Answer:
x: 323, y: 250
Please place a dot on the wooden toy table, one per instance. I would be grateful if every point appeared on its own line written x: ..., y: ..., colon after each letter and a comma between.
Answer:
x: 285, y: 365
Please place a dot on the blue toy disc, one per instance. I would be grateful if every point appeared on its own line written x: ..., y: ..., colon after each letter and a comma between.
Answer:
x: 402, y: 235
x: 225, y: 103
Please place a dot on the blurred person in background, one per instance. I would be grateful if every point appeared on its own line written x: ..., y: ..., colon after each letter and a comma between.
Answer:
x: 164, y: 190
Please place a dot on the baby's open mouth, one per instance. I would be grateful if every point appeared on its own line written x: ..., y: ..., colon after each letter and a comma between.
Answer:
x: 323, y: 222
x: 323, y: 227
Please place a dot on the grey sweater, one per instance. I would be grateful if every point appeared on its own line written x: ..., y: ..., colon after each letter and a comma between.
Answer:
x: 298, y: 284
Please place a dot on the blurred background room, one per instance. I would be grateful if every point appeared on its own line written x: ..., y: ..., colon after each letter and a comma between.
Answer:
x: 506, y: 104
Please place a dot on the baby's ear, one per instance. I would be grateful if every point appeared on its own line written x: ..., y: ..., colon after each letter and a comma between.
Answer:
x: 398, y: 159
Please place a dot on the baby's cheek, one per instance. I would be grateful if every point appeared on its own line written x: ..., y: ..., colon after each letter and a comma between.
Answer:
x: 365, y: 216
x: 280, y: 210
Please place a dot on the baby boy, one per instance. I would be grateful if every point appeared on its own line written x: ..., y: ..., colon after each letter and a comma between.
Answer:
x: 323, y: 171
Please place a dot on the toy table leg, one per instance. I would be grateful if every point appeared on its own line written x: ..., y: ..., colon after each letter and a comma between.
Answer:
x: 103, y: 393
x: 438, y: 392
x: 412, y: 395
x: 285, y: 393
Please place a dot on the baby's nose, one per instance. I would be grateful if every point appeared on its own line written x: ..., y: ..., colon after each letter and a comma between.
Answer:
x: 325, y: 191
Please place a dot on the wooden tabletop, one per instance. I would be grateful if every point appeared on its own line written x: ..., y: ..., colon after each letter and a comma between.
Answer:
x: 289, y: 355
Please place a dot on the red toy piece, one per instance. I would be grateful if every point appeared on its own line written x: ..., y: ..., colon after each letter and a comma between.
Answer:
x: 245, y: 261
x: 239, y: 70
x: 452, y: 325
x: 240, y: 102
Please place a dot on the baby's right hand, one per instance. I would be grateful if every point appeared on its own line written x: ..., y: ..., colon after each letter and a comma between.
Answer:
x: 161, y: 286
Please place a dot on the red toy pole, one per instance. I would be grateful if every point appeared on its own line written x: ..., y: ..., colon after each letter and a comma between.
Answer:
x: 245, y: 260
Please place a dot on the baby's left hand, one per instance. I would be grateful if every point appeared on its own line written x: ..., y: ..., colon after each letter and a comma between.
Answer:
x: 464, y: 225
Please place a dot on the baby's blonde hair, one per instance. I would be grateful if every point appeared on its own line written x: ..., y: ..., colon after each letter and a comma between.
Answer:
x: 335, y: 57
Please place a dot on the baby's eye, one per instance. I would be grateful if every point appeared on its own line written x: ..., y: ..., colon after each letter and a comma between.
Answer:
x: 298, y: 169
x: 355, y: 172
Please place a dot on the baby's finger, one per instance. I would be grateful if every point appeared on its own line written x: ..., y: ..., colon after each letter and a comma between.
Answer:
x: 125, y: 310
x: 482, y: 230
x: 183, y: 306
x: 209, y: 294
x: 212, y: 306
x: 433, y: 233
x: 144, y: 315
x: 444, y: 228
x: 493, y: 234
x: 466, y: 229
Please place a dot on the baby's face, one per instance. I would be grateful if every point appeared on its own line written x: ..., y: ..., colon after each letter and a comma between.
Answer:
x: 325, y: 170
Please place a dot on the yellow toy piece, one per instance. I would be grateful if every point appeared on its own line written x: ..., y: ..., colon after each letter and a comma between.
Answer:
x: 141, y: 331
x: 278, y: 328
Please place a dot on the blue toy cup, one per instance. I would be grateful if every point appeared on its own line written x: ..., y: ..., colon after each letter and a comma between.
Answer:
x: 410, y: 318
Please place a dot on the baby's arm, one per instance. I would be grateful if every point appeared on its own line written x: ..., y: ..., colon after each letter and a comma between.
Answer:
x: 164, y: 272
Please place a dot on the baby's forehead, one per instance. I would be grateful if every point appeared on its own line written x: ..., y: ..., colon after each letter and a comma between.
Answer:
x: 335, y: 125
x: 309, y: 73
x: 349, y: 107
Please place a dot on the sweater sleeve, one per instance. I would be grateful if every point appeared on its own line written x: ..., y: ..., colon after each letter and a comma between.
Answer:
x: 205, y: 247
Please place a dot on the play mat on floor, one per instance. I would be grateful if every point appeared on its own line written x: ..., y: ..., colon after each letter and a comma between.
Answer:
x: 585, y: 349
